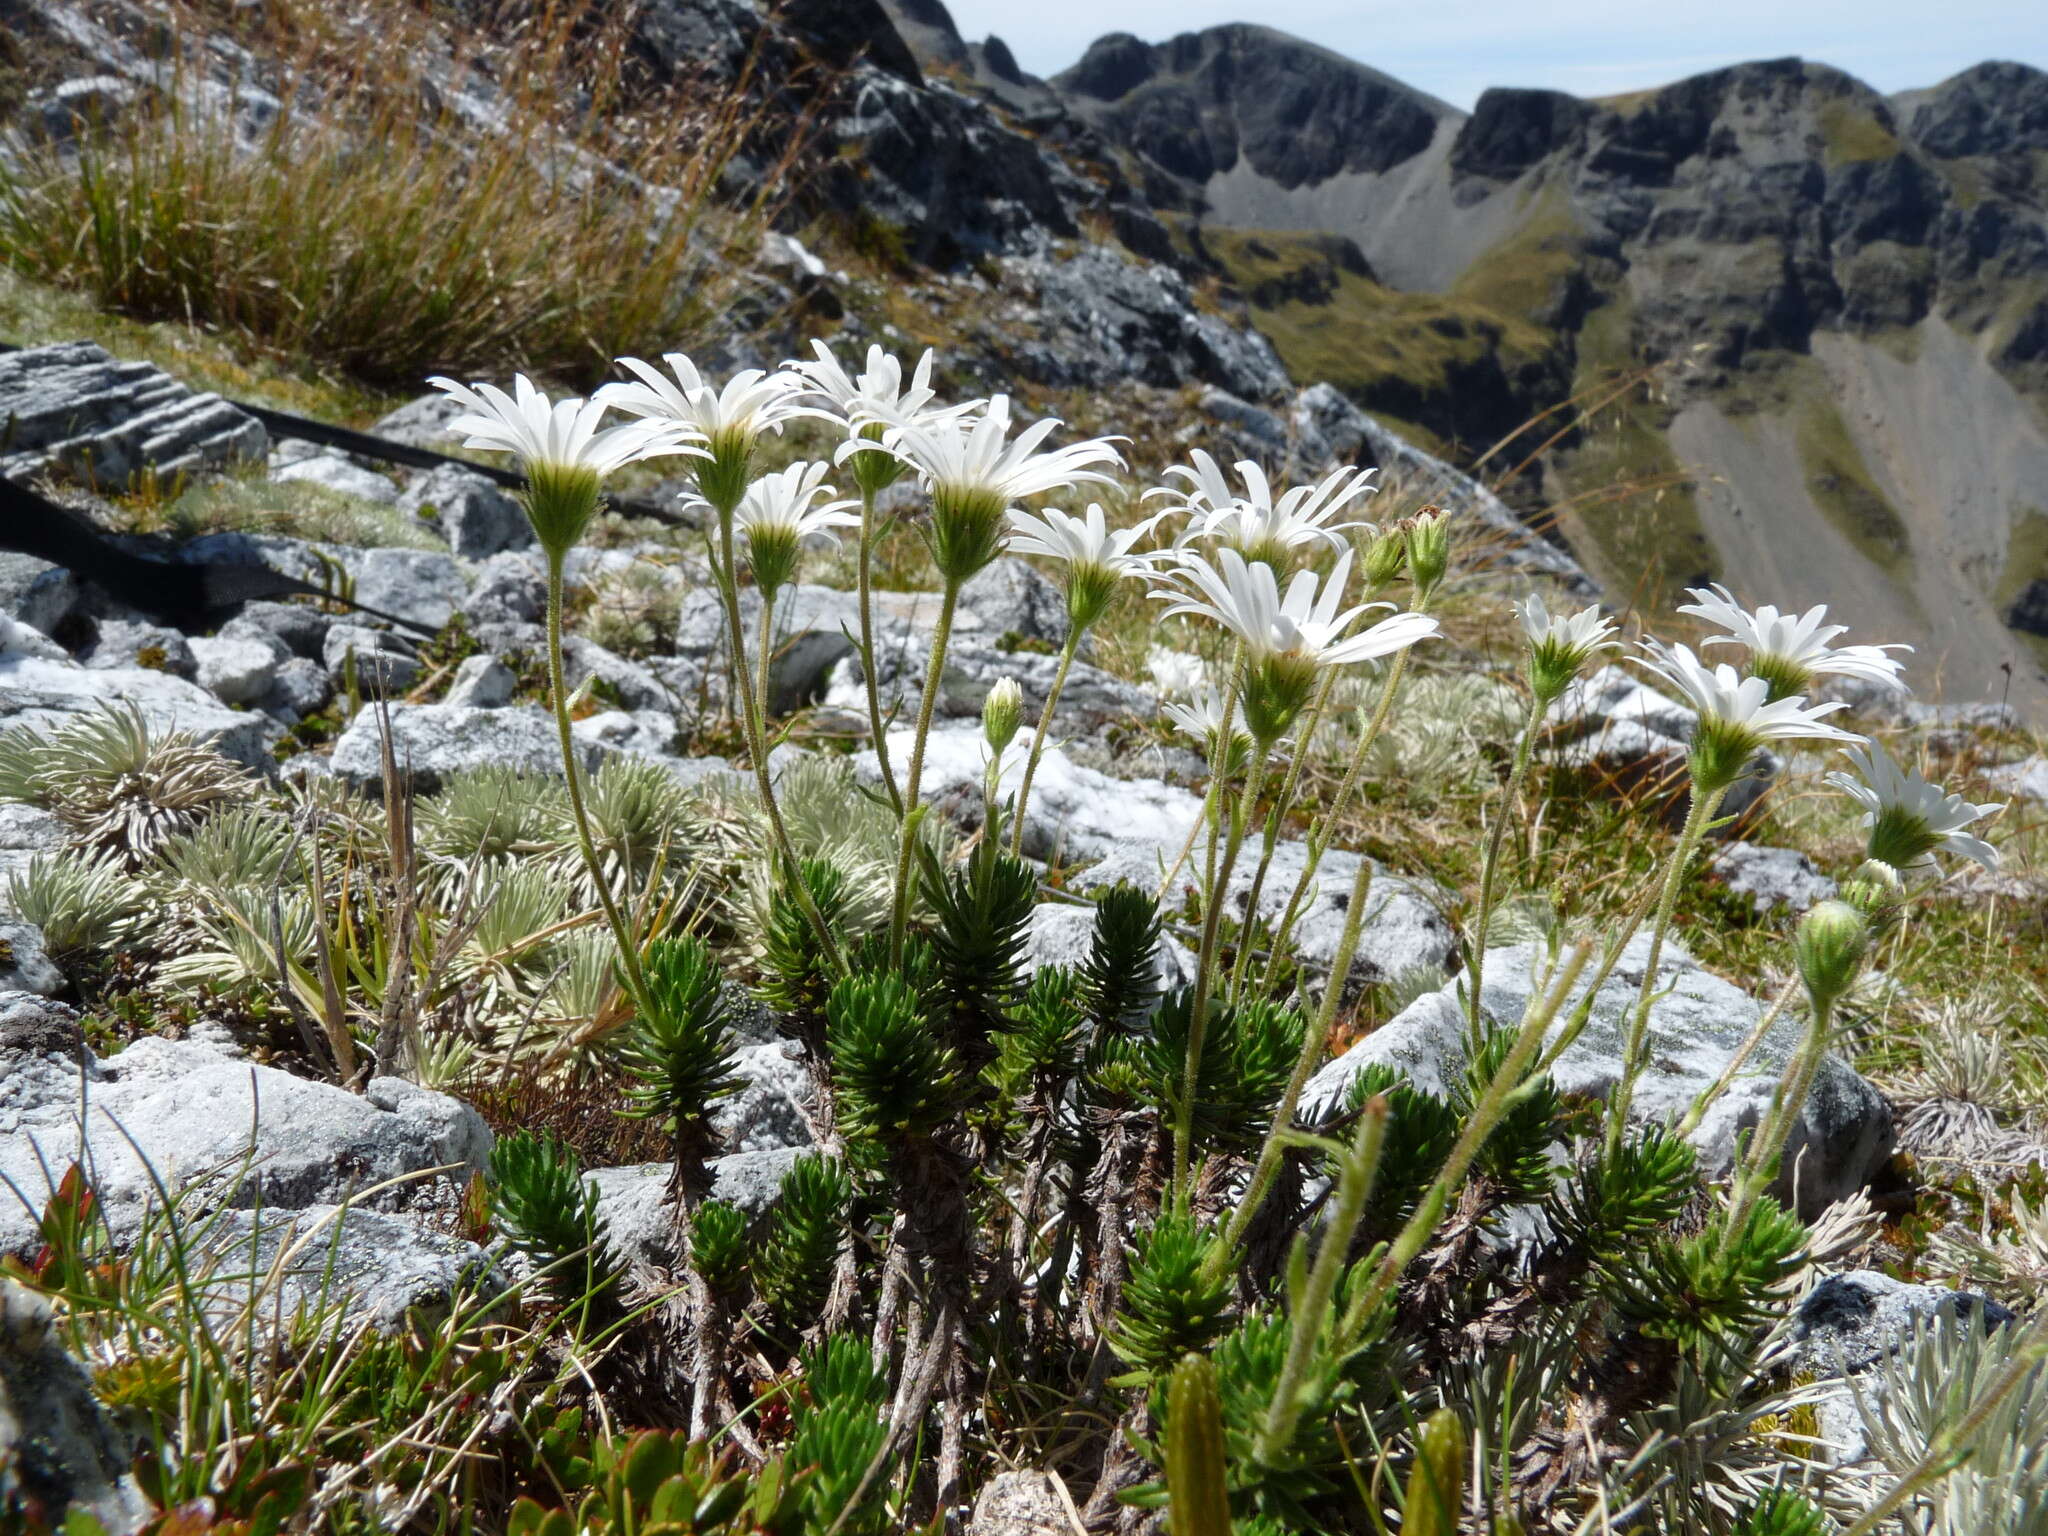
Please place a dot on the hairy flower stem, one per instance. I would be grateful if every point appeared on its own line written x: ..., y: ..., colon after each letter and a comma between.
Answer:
x: 1743, y: 1052
x: 622, y: 936
x: 1479, y: 1125
x: 1052, y: 699
x: 1489, y: 867
x: 864, y: 563
x: 1205, y: 967
x: 1309, y: 724
x: 755, y: 728
x: 1697, y: 817
x: 935, y: 666
x: 1267, y: 1167
x: 1319, y: 837
x: 1766, y: 1150
x: 1309, y: 1327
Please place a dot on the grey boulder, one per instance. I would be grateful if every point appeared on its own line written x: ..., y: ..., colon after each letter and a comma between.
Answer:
x: 641, y: 1219
x: 1841, y: 1138
x: 476, y: 518
x: 24, y: 964
x: 374, y: 662
x: 183, y: 1113
x: 1403, y: 929
x: 377, y: 1267
x: 1847, y: 1323
x: 58, y: 1446
x: 239, y: 669
x: 769, y: 1110
x: 434, y: 741
x: 1772, y: 878
x: 414, y: 584
x: 135, y: 643
x: 42, y: 692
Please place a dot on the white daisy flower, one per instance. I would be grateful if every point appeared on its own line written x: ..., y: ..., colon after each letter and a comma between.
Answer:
x: 1790, y: 650
x: 1288, y: 638
x: 1095, y: 556
x: 1910, y: 819
x: 1560, y: 645
x: 731, y: 420
x: 1176, y: 673
x: 975, y: 472
x: 1737, y: 714
x: 1257, y: 524
x: 562, y: 448
x: 877, y: 393
x: 780, y: 511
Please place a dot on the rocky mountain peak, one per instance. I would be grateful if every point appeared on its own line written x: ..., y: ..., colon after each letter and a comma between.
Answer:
x: 1296, y: 113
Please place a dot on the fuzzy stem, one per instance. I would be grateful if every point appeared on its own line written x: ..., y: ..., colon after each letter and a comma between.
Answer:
x: 1205, y: 966
x: 1489, y: 868
x: 1052, y: 699
x: 1743, y: 1052
x: 1267, y: 1168
x: 1697, y: 816
x: 935, y: 666
x: 1479, y: 1125
x: 1319, y: 839
x: 629, y: 948
x: 1766, y: 1151
x: 864, y: 584
x: 755, y: 729
x: 1354, y: 1183
x: 1277, y: 813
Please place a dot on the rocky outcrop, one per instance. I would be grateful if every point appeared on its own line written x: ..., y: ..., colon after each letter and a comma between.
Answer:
x: 75, y: 410
x: 184, y: 1116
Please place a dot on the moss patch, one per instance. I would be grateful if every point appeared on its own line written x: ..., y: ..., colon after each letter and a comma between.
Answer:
x: 1851, y: 134
x: 1842, y: 487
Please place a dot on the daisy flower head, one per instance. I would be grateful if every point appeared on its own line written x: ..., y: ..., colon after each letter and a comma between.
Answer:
x: 1289, y: 638
x: 780, y: 511
x: 1737, y: 715
x: 731, y: 421
x: 1256, y: 523
x: 869, y: 401
x: 1429, y: 549
x: 1561, y: 645
x: 562, y: 448
x: 1909, y: 819
x: 1790, y: 650
x: 1094, y: 557
x: 1202, y: 718
x: 974, y: 472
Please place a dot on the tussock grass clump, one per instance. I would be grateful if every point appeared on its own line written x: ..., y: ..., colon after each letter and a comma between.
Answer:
x: 421, y: 200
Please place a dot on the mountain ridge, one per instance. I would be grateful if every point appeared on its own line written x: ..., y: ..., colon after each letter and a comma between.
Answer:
x: 1844, y: 292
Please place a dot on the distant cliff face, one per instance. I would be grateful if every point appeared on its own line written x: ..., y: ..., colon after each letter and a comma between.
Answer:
x: 1852, y: 290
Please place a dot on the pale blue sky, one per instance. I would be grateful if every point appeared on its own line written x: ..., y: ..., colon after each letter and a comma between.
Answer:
x: 1590, y: 47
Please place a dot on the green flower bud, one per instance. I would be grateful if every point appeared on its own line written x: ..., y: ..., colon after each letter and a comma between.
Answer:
x: 1385, y: 558
x: 724, y: 477
x: 1429, y: 549
x: 1089, y: 590
x: 1276, y: 689
x: 1001, y: 713
x: 1830, y: 946
x: 1879, y: 894
x: 772, y: 552
x: 873, y: 470
x: 560, y: 500
x: 966, y: 531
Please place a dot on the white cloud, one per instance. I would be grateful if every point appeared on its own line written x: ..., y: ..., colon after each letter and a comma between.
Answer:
x: 1589, y: 47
